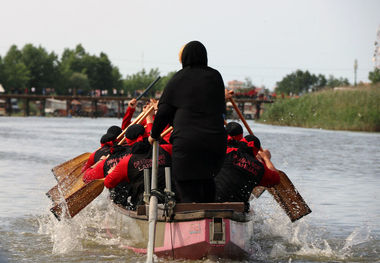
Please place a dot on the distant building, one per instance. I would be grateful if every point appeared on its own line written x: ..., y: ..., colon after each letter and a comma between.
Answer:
x: 235, y: 84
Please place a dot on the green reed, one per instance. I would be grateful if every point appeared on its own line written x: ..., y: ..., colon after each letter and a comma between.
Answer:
x: 356, y: 109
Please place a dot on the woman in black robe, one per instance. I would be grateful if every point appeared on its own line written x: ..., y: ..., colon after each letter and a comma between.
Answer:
x: 193, y: 103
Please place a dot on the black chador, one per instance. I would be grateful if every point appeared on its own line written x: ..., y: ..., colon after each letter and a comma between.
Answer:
x: 193, y: 103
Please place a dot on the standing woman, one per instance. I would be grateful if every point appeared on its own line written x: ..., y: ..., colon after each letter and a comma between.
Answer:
x: 193, y: 103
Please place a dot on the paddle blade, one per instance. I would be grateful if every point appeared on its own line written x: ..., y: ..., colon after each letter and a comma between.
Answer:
x: 258, y: 191
x: 65, y: 169
x: 78, y: 199
x: 66, y: 183
x: 289, y: 198
x: 54, y: 194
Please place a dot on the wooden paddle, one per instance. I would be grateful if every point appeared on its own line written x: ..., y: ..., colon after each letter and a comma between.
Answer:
x: 284, y: 193
x: 60, y: 189
x: 64, y: 169
x: 69, y: 174
x: 75, y: 200
x: 78, y: 197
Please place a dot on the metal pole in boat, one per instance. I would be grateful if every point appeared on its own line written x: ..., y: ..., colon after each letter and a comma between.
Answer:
x: 146, y: 186
x: 153, y: 206
x: 168, y: 182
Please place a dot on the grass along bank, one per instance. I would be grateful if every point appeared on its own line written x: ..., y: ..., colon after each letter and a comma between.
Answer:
x: 356, y: 109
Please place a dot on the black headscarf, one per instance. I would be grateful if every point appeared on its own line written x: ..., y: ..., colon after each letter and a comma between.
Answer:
x: 196, y: 87
x: 194, y: 54
x: 250, y: 144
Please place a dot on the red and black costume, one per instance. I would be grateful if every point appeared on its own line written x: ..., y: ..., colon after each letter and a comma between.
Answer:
x: 106, y: 143
x: 127, y: 179
x: 101, y: 170
x: 234, y: 134
x: 127, y: 118
x: 241, y: 172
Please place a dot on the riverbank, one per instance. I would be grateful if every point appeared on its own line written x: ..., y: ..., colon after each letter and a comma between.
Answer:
x: 354, y: 109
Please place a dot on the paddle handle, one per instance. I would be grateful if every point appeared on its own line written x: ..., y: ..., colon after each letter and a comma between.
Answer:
x: 170, y: 129
x: 242, y: 118
x: 148, y: 88
x: 138, y: 120
x: 241, y: 115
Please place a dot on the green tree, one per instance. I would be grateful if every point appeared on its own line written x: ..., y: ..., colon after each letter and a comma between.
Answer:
x: 321, y: 82
x: 117, y: 81
x: 374, y: 76
x: 300, y: 82
x: 102, y: 75
x: 15, y: 75
x: 79, y: 83
x: 297, y: 82
x: 99, y: 72
x: 70, y: 62
x: 140, y: 81
x: 334, y: 82
x: 43, y: 67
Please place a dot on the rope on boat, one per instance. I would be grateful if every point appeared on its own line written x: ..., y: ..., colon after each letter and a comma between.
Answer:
x: 167, y: 199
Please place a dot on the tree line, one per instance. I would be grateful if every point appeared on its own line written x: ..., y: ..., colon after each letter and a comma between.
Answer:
x: 300, y: 82
x: 34, y: 70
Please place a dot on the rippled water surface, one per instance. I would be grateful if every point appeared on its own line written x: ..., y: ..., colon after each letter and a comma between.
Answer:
x: 337, y: 173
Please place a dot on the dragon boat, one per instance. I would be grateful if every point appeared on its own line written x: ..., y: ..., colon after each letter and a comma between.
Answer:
x: 190, y: 231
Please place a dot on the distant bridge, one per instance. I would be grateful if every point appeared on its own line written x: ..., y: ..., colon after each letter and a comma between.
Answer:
x: 95, y: 100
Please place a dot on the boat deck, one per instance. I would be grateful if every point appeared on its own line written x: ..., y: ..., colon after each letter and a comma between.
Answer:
x: 192, y: 211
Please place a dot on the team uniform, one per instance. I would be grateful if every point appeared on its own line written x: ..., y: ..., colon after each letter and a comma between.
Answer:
x: 241, y: 172
x: 126, y: 181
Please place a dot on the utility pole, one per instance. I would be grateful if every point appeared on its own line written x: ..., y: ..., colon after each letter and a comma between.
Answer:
x: 355, y: 70
x: 376, y: 54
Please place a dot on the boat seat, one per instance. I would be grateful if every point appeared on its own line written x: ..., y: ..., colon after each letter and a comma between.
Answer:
x: 188, y: 207
x: 194, y: 211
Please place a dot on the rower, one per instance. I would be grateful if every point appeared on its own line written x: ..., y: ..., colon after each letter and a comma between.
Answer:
x: 126, y: 180
x: 106, y: 143
x: 242, y: 171
x: 234, y: 133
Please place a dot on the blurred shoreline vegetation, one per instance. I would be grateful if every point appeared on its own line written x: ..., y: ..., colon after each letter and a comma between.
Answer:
x: 35, y: 70
x: 353, y: 108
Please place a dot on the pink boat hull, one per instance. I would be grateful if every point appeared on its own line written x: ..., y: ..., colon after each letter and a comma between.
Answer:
x: 197, y: 239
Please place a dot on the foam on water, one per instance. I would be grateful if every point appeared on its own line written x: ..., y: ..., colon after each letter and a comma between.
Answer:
x: 275, y: 237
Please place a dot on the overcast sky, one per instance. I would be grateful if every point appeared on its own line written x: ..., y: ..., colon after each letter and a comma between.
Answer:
x: 261, y: 40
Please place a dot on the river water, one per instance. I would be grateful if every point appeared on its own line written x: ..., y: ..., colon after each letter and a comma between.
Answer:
x: 337, y: 173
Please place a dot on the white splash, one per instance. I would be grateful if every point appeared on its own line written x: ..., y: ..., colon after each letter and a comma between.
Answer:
x: 276, y: 237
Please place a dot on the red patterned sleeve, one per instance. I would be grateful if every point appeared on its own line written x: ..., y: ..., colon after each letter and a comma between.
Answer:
x: 92, y: 174
x: 120, y: 173
x: 127, y: 118
x: 270, y: 178
x: 89, y: 163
